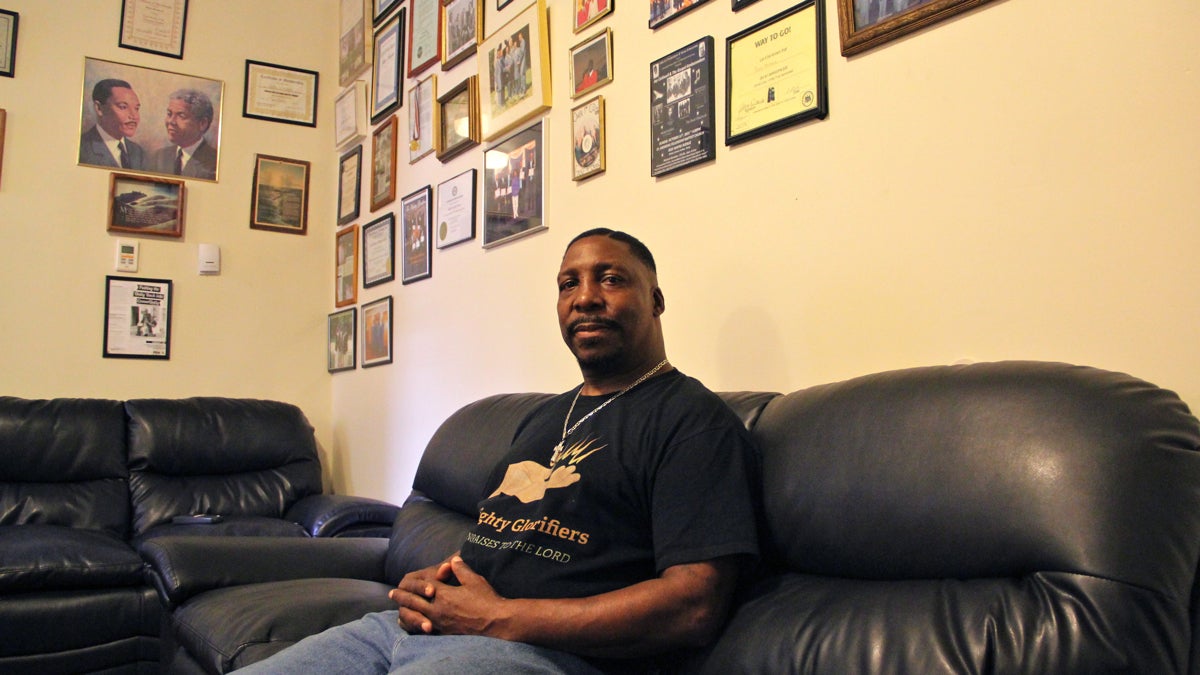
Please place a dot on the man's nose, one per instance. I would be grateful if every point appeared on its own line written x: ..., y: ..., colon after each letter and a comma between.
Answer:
x: 588, y: 294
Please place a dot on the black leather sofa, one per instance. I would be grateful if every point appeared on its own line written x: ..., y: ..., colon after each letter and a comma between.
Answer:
x: 1014, y: 517
x: 84, y: 481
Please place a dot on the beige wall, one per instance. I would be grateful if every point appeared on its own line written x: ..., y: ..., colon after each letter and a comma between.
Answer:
x: 256, y: 330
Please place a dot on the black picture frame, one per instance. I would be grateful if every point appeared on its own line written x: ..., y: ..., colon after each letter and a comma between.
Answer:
x: 379, y: 251
x: 137, y: 318
x: 377, y: 332
x: 282, y: 94
x: 389, y: 35
x: 663, y: 11
x: 151, y: 44
x: 416, y: 213
x: 682, y: 108
x: 9, y: 23
x: 350, y: 186
x: 341, y: 338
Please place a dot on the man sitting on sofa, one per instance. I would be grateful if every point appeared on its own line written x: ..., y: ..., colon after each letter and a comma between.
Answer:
x: 615, y: 528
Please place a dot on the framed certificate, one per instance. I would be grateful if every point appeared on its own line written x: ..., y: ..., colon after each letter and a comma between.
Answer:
x: 137, y: 318
x: 350, y: 115
x: 776, y: 74
x: 349, y: 185
x: 280, y: 94
x: 424, y: 35
x: 378, y: 247
x: 154, y: 26
x: 354, y: 45
x: 456, y: 209
x: 8, y: 41
x: 388, y: 67
x: 682, y: 108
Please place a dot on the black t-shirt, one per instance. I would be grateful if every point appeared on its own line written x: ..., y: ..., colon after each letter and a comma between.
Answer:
x: 661, y: 476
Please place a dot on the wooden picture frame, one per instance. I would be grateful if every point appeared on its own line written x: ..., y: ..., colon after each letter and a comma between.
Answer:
x: 350, y: 115
x: 379, y: 250
x: 513, y: 187
x: 587, y: 139
x: 341, y: 338
x: 424, y: 35
x: 456, y: 213
x: 682, y: 108
x: 279, y: 199
x: 137, y: 318
x: 154, y: 26
x: 416, y: 214
x: 421, y: 102
x: 377, y: 332
x: 462, y: 26
x: 354, y: 40
x: 866, y: 24
x: 350, y: 186
x: 278, y: 93
x: 345, y: 267
x: 383, y: 163
x: 591, y: 63
x: 148, y: 205
x: 456, y: 119
x: 588, y: 12
x: 662, y: 11
x: 387, y: 70
x: 9, y: 23
x: 513, y: 92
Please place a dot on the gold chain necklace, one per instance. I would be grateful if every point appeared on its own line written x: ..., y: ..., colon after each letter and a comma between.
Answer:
x: 558, y: 449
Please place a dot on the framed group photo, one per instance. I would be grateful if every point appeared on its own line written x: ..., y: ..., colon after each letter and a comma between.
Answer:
x: 512, y: 187
x: 145, y: 205
x: 350, y: 186
x: 137, y: 318
x: 341, y: 334
x: 280, y: 94
x: 514, y: 72
x: 865, y: 24
x: 383, y: 164
x: 387, y: 70
x: 279, y: 200
x: 416, y: 261
x: 377, y: 332
x: 462, y: 25
x: 456, y: 119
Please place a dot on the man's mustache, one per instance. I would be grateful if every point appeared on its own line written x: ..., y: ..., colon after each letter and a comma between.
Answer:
x: 592, y: 321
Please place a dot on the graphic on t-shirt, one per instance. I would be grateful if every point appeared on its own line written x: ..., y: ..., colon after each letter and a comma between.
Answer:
x: 528, y: 480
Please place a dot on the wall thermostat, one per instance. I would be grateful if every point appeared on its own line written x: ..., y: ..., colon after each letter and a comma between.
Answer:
x: 127, y: 256
x: 210, y: 259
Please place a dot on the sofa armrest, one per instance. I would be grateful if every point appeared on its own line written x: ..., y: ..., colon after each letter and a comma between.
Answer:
x: 331, y: 515
x: 181, y: 567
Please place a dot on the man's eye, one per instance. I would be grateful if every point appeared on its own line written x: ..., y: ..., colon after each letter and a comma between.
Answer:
x: 567, y: 285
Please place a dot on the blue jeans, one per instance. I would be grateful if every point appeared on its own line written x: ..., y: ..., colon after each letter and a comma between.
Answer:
x: 376, y: 644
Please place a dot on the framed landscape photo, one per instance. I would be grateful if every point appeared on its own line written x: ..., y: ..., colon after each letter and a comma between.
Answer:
x: 378, y: 247
x: 345, y: 280
x: 137, y: 318
x: 865, y: 24
x: 354, y: 45
x: 377, y: 332
x: 9, y: 22
x: 350, y: 186
x: 462, y: 24
x: 587, y: 139
x: 280, y: 94
x: 154, y: 26
x: 514, y: 72
x: 424, y: 35
x: 350, y: 115
x: 416, y: 210
x: 682, y: 132
x: 662, y: 11
x: 341, y: 334
x: 112, y: 136
x: 455, y: 216
x: 145, y: 205
x: 420, y: 118
x: 775, y: 73
x: 591, y: 63
x: 456, y: 119
x: 279, y: 201
x: 388, y: 67
x: 383, y: 164
x: 512, y: 187
x: 588, y: 12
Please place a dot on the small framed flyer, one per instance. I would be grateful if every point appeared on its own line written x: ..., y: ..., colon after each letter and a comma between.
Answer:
x: 345, y: 270
x: 145, y: 205
x: 424, y: 35
x: 154, y: 26
x: 378, y: 247
x: 456, y: 209
x: 587, y: 139
x: 350, y: 115
x: 383, y: 163
x: 341, y: 332
x: 280, y: 94
x: 776, y: 74
x: 377, y: 332
x: 512, y: 187
x: 137, y: 318
x: 388, y: 68
x: 350, y: 186
x: 681, y: 108
x: 420, y: 118
x: 279, y: 200
x: 417, y: 259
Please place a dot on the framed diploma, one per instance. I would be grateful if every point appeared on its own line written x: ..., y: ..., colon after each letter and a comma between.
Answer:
x: 383, y: 164
x: 776, y: 74
x: 417, y: 260
x: 456, y: 209
x: 424, y: 35
x: 388, y: 67
x: 514, y: 72
x: 345, y: 267
x: 865, y: 25
x: 154, y: 26
x: 350, y: 115
x: 378, y: 247
x: 137, y: 318
x: 341, y: 333
x: 456, y: 119
x: 350, y: 186
x: 682, y: 108
x: 280, y: 94
x: 354, y: 45
x: 8, y: 42
x: 462, y: 24
x: 420, y: 118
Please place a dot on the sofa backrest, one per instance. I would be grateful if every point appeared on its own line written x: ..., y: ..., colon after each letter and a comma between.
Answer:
x: 62, y: 462
x: 234, y: 457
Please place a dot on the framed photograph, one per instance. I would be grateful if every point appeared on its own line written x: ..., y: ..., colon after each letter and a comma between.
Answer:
x: 865, y: 24
x: 424, y: 35
x: 350, y: 115
x: 514, y: 74
x: 154, y: 26
x: 341, y: 334
x: 588, y: 12
x: 350, y: 186
x: 456, y: 209
x: 381, y: 9
x: 662, y: 11
x: 388, y: 67
x: 145, y: 205
x: 346, y: 267
x: 501, y: 4
x: 383, y: 164
x: 420, y: 118
x: 378, y: 247
x: 587, y: 139
x: 682, y: 132
x: 280, y: 94
x: 354, y: 45
x: 377, y: 332
x: 462, y: 24
x: 456, y: 119
x: 417, y: 211
x: 185, y: 142
x: 8, y: 42
x: 512, y: 187
x: 279, y: 202
x: 3, y: 122
x: 591, y: 63
x: 775, y: 75
x: 137, y: 318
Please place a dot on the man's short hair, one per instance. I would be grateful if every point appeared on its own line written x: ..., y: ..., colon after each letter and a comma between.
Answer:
x: 635, y: 245
x: 197, y: 101
x: 102, y: 91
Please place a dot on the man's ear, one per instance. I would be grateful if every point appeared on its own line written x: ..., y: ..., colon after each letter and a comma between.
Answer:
x: 660, y: 302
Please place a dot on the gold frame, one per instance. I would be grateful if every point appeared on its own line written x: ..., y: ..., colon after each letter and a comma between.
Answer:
x: 598, y: 141
x: 445, y: 151
x: 465, y: 52
x: 499, y: 117
x: 856, y: 40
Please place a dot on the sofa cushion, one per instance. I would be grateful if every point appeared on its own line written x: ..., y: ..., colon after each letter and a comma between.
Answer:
x: 51, y: 557
x: 79, y: 631
x: 240, y: 526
